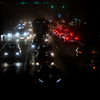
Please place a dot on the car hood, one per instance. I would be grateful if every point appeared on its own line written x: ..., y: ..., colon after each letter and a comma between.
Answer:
x: 11, y: 51
x: 42, y: 61
x: 49, y: 78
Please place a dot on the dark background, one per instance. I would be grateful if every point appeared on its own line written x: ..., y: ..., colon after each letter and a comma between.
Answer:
x: 87, y: 10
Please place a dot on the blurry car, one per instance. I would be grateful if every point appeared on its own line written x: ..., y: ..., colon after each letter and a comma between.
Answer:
x: 64, y: 33
x: 45, y: 47
x: 48, y: 74
x: 85, y: 51
x: 40, y: 34
x: 36, y: 41
x: 94, y: 67
x: 71, y: 38
x: 56, y: 32
x: 12, y: 51
x: 7, y: 34
x: 21, y: 33
x: 43, y: 58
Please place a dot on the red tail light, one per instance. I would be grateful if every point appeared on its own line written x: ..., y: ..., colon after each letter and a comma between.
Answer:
x: 93, y: 52
x: 92, y: 56
x: 66, y: 30
x: 67, y: 38
x: 58, y: 33
x: 76, y: 38
x: 93, y: 67
x: 79, y: 52
x: 71, y: 34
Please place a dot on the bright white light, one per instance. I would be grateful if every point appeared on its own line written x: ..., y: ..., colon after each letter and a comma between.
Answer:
x: 25, y: 33
x: 17, y: 53
x: 5, y: 64
x: 30, y: 29
x: 52, y: 54
x: 58, y: 80
x: 37, y: 63
x: 47, y: 34
x: 19, y: 27
x: 40, y: 81
x: 17, y: 34
x: 34, y: 34
x: 9, y: 34
x: 46, y: 40
x: 33, y: 46
x: 5, y: 53
x: 52, y: 63
x: 18, y: 64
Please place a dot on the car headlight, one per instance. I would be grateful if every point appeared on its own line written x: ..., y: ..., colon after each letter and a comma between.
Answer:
x: 47, y: 34
x: 5, y: 53
x: 40, y: 80
x: 37, y: 63
x: 76, y: 50
x: 34, y: 34
x: 17, y: 53
x: 17, y: 34
x: 33, y: 46
x: 58, y: 80
x: 52, y: 54
x: 30, y: 29
x: 52, y: 63
x: 46, y: 40
x: 25, y: 33
x: 9, y: 34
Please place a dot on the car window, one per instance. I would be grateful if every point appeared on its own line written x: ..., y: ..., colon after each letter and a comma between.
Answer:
x: 12, y: 47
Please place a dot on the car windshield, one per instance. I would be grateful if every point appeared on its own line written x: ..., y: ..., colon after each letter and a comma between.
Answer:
x: 86, y: 48
x: 12, y: 47
x: 38, y: 40
x: 45, y: 47
x: 44, y: 55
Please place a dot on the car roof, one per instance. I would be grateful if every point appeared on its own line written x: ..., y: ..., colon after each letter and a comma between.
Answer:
x: 85, y: 46
x: 44, y: 53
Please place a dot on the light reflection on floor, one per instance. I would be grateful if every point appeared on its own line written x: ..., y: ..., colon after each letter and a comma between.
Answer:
x: 17, y: 65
